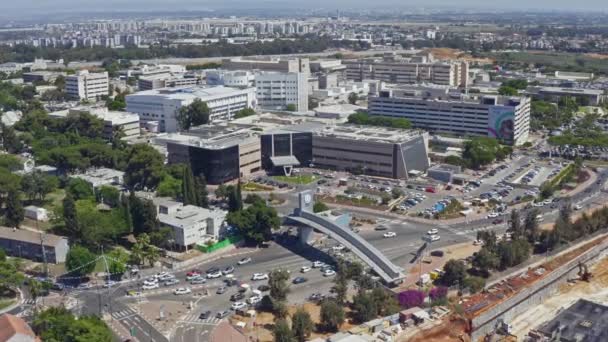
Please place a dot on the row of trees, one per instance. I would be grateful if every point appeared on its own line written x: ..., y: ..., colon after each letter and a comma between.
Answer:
x: 480, y: 151
x: 383, y: 121
x: 307, y: 43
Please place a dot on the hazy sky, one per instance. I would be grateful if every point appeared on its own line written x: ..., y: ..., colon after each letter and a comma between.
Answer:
x: 49, y: 6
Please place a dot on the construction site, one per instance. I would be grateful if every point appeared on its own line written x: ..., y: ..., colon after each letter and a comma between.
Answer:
x: 526, y: 305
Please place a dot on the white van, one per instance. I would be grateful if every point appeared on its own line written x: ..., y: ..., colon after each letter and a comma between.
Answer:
x: 435, y: 237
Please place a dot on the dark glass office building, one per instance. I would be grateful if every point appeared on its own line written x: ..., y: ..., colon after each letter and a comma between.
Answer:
x: 297, y: 144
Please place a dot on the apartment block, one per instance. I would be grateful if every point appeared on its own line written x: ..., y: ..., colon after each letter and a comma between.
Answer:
x: 87, y: 86
x: 408, y: 71
x: 503, y: 118
x: 276, y: 90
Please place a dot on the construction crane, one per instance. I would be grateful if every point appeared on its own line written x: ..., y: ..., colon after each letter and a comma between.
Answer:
x: 583, y: 272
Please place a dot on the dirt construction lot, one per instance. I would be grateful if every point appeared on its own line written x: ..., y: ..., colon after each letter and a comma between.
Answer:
x: 596, y: 290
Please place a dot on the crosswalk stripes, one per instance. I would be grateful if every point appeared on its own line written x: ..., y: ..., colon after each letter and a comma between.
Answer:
x: 29, y: 302
x: 193, y: 318
x: 123, y: 314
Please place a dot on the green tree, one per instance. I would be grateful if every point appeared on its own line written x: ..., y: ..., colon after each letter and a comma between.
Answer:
x: 332, y: 315
x: 302, y: 325
x: 143, y: 251
x: 222, y: 192
x: 144, y: 169
x: 454, y: 273
x: 80, y: 189
x: 282, y: 332
x: 546, y: 190
x: 143, y: 215
x: 189, y: 191
x: 194, y: 114
x: 70, y: 218
x: 202, y: 192
x: 10, y: 276
x: 365, y: 307
x: 279, y: 286
x: 515, y: 224
x: 37, y: 185
x: 59, y: 324
x: 291, y: 107
x: 245, y: 112
x: 279, y: 308
x: 13, y: 213
x: 117, y: 261
x: 340, y: 286
x: 170, y: 187
x: 480, y: 151
x: 10, y: 141
x: 319, y: 207
x: 353, y: 98
x: 79, y: 261
x: 530, y: 227
x: 475, y: 284
x: 109, y: 195
x: 485, y: 261
x: 235, y: 203
x: 507, y: 91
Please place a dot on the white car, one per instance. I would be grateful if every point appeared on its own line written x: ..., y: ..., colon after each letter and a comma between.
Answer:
x: 152, y: 281
x: 305, y: 269
x: 244, y: 261
x: 109, y: 283
x: 214, y: 275
x: 254, y: 300
x: 329, y: 273
x: 161, y: 275
x: 338, y: 247
x: 433, y: 231
x: 259, y: 276
x: 150, y: 286
x: 478, y: 243
x: 182, y: 291
x: 238, y: 305
x: 318, y: 264
x: 578, y: 207
x: 435, y: 237
x: 492, y: 215
x: 390, y: 234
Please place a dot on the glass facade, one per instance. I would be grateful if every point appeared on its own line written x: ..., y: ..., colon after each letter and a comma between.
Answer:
x: 218, y: 166
x: 296, y: 144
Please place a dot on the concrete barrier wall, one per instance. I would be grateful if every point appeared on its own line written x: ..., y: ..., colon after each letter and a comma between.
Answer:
x: 536, y: 294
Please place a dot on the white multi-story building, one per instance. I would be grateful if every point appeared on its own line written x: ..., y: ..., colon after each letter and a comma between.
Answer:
x: 163, y: 105
x: 275, y: 90
x: 87, y: 86
x: 409, y: 71
x: 191, y: 225
x: 230, y: 78
x: 503, y: 118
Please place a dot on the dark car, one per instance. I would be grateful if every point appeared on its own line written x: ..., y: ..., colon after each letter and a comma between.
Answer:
x: 299, y: 280
x: 213, y: 270
x: 437, y: 253
x: 237, y: 296
x: 220, y: 290
x: 205, y: 315
x: 264, y: 288
x: 231, y: 282
x: 497, y: 221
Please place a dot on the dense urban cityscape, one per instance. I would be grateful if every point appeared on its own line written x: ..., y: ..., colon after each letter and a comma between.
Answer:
x: 290, y: 172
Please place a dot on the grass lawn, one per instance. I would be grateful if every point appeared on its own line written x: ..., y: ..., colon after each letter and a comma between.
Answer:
x: 256, y: 187
x: 4, y: 302
x: 300, y: 179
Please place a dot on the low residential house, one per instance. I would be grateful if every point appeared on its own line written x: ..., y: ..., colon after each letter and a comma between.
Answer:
x: 36, y: 213
x: 101, y: 176
x: 15, y: 329
x: 32, y: 245
x: 191, y: 225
